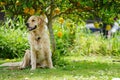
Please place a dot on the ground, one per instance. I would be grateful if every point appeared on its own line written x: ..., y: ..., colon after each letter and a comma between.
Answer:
x: 78, y: 68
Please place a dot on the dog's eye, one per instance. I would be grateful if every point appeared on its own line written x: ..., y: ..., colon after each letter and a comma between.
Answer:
x: 33, y: 20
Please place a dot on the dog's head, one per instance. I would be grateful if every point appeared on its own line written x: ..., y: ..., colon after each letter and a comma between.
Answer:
x: 34, y: 22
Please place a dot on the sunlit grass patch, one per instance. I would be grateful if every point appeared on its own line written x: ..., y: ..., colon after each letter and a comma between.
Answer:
x: 79, y: 68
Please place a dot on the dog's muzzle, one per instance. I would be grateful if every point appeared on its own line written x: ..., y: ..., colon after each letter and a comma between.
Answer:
x: 31, y: 28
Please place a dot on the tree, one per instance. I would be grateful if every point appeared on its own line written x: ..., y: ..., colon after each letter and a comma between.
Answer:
x: 73, y: 9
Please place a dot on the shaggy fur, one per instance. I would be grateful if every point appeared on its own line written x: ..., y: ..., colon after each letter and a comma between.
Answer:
x: 40, y: 53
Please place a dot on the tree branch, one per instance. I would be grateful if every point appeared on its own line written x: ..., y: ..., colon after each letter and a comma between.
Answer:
x: 68, y: 11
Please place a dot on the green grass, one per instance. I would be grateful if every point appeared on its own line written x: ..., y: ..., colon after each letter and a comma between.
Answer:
x: 78, y: 68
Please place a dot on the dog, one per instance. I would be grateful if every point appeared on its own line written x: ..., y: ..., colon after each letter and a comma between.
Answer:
x: 39, y: 53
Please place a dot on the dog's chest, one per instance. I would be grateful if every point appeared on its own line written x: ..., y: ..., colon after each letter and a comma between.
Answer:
x: 35, y: 41
x: 36, y: 37
x: 40, y: 56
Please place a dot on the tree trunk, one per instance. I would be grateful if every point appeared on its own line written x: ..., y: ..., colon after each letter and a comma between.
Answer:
x: 52, y: 39
x: 50, y: 18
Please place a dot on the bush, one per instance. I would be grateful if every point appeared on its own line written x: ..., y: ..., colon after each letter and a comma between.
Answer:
x: 76, y: 40
x: 95, y: 43
x: 13, y: 42
x: 69, y: 40
x: 64, y: 35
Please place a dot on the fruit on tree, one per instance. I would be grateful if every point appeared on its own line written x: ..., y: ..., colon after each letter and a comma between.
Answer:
x: 61, y: 20
x: 57, y: 10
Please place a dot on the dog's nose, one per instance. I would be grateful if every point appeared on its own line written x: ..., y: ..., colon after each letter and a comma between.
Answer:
x: 27, y: 24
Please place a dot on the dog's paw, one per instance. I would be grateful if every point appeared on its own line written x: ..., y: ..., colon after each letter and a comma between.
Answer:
x: 32, y: 69
x: 21, y: 68
x: 51, y: 67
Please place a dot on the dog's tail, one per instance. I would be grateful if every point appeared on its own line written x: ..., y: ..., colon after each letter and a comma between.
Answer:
x: 11, y: 64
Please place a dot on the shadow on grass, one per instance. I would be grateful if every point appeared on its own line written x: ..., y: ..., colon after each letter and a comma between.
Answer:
x: 70, y: 71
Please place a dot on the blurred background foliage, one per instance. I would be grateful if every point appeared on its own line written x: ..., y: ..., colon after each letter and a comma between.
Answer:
x: 84, y: 9
x: 66, y: 26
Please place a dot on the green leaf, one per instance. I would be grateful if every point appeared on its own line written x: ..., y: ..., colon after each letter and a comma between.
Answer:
x: 42, y: 1
x: 104, y: 1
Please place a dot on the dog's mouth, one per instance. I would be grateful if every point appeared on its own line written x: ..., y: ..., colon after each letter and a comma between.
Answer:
x: 31, y: 28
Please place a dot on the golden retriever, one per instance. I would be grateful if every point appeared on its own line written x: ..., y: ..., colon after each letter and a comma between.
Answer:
x: 39, y: 53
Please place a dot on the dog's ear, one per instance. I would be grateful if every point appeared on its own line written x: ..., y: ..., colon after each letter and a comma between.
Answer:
x: 44, y: 18
x: 40, y: 20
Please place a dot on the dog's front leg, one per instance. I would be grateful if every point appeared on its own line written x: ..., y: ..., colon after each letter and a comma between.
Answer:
x: 49, y: 59
x: 33, y: 59
x: 49, y: 63
x: 26, y: 59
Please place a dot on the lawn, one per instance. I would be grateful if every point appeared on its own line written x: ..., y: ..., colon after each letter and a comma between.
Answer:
x: 78, y: 68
